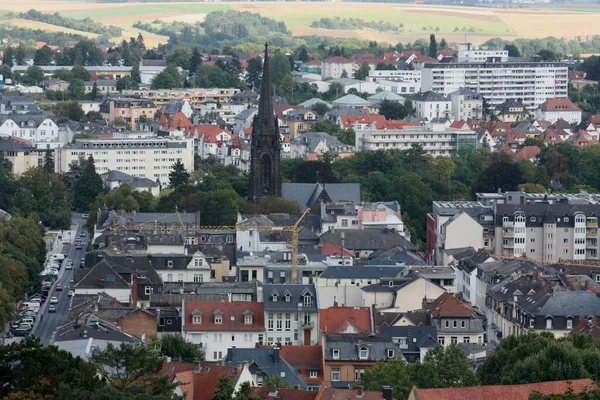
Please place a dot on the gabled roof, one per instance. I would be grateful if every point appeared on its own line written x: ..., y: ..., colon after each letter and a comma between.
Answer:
x: 448, y: 305
x: 345, y: 320
x: 349, y: 121
x: 528, y: 153
x: 349, y: 394
x: 12, y: 145
x: 351, y: 100
x: 295, y: 292
x: 206, y: 379
x: 502, y: 392
x: 430, y: 96
x: 386, y: 95
x: 366, y: 239
x: 102, y: 275
x: 305, y: 359
x: 232, y: 316
x: 558, y: 105
x: 574, y: 303
x: 419, y: 337
x: 306, y: 194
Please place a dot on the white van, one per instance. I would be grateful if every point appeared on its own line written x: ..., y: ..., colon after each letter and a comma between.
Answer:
x: 58, y: 256
x: 26, y: 305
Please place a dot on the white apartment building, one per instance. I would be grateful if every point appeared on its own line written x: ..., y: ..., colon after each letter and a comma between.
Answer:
x: 397, y: 81
x: 466, y: 104
x: 436, y: 139
x: 548, y: 232
x: 532, y: 82
x: 430, y: 105
x: 144, y: 157
x: 39, y: 129
x: 334, y: 67
x: 470, y: 53
x: 195, y: 96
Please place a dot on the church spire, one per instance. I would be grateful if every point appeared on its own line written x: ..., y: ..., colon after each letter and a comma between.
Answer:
x: 265, y: 105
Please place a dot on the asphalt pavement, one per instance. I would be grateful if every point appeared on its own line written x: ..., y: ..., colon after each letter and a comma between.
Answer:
x: 45, y: 328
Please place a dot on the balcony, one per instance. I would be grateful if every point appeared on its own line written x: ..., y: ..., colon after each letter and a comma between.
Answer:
x: 591, y: 224
x: 508, y: 245
x: 508, y: 224
x: 591, y: 232
x: 308, y: 325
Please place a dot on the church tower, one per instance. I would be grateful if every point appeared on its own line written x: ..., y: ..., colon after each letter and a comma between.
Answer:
x: 265, y: 158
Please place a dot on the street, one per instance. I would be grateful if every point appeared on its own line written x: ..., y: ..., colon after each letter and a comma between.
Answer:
x: 45, y: 329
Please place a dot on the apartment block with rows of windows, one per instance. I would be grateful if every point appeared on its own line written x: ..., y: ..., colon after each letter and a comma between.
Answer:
x: 532, y: 82
x: 149, y: 157
x: 291, y: 314
x: 548, y: 232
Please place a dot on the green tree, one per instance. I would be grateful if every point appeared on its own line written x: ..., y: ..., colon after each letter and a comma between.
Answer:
x: 444, y: 367
x: 8, y: 58
x: 502, y: 173
x: 169, y: 78
x: 244, y: 392
x: 20, y: 55
x: 178, y: 175
x: 363, y: 71
x: 48, y: 165
x: 532, y: 188
x: 344, y: 74
x: 392, y: 110
x: 77, y: 89
x: 280, y: 68
x: 176, y: 347
x: 548, y: 55
x: 126, y: 83
x: 180, y: 57
x: 33, y: 76
x: 254, y: 73
x: 68, y: 111
x: 433, y: 47
x: 513, y: 51
x: 43, y: 56
x: 320, y: 108
x: 443, y: 44
x: 224, y: 389
x: 395, y: 373
x: 87, y: 187
x: 94, y: 93
x: 195, y: 61
x: 79, y: 72
x: 276, y: 381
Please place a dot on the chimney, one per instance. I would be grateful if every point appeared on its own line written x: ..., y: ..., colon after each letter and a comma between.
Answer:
x: 387, y: 392
x: 297, y: 387
x: 275, y: 355
x: 359, y: 391
x: 197, y: 365
x: 594, y: 321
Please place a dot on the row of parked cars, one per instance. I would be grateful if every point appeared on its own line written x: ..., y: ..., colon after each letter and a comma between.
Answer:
x: 27, y: 315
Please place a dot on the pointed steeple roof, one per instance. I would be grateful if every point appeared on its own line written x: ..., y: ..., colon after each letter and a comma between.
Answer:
x: 265, y: 122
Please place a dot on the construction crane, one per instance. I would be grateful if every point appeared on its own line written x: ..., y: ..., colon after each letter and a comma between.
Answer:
x: 294, y: 230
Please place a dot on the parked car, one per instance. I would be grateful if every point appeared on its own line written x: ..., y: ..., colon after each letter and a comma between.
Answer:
x: 25, y: 326
x: 59, y: 288
x: 85, y: 216
x: 71, y: 293
x: 83, y: 234
x: 69, y: 266
x: 53, y: 300
x: 21, y: 332
x: 51, y: 309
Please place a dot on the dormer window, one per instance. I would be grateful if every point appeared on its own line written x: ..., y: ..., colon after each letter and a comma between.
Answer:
x: 287, y: 297
x: 274, y: 297
x: 313, y: 373
x: 335, y: 354
x: 363, y: 353
x: 248, y: 320
x: 307, y: 300
x: 390, y: 353
x: 197, y: 319
x: 548, y: 323
x: 218, y: 319
x: 170, y: 263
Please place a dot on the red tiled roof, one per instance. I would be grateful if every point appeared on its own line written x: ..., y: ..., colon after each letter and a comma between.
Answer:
x: 349, y: 394
x: 313, y: 62
x: 339, y: 319
x: 574, y: 74
x: 205, y: 381
x: 232, y: 316
x: 348, y: 121
x: 264, y: 393
x: 180, y: 121
x: 460, y: 125
x: 594, y: 119
x: 561, y: 124
x: 392, y: 124
x: 578, y: 139
x: 302, y: 357
x: 558, y: 105
x: 448, y: 305
x: 528, y: 153
x: 496, y: 128
x: 172, y: 368
x: 552, y: 136
x: 338, y: 59
x: 210, y: 132
x: 505, y: 392
x: 186, y: 382
x: 330, y: 249
x: 279, y: 110
x: 588, y: 327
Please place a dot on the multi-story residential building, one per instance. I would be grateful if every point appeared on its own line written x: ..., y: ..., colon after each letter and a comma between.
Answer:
x: 103, y: 86
x: 547, y: 232
x: 444, y: 211
x: 21, y: 155
x: 511, y: 111
x: 11, y: 104
x: 276, y: 267
x: 414, y: 341
x: 194, y: 96
x: 129, y: 109
x: 458, y: 232
x: 114, y: 179
x: 115, y: 72
x: 210, y: 139
x: 147, y: 158
x: 466, y: 104
x: 312, y: 145
x: 456, y: 321
x: 403, y: 293
x: 469, y: 53
x: 554, y: 109
x: 299, y: 121
x: 39, y: 129
x: 404, y: 81
x: 334, y: 67
x: 533, y: 82
x: 291, y: 314
x: 430, y: 105
x: 436, y: 139
x: 308, y: 360
x: 348, y: 356
x: 219, y: 326
x: 349, y: 215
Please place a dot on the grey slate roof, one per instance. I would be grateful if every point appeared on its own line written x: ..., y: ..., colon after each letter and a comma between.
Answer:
x: 307, y: 194
x: 295, y: 293
x: 393, y: 256
x: 351, y: 100
x: 574, y: 303
x: 356, y: 271
x: 92, y: 327
x: 133, y: 181
x: 26, y: 120
x: 386, y: 95
x: 9, y: 144
x: 311, y: 102
x: 266, y: 361
x: 312, y: 139
x: 349, y: 344
x: 426, y: 336
x: 429, y: 96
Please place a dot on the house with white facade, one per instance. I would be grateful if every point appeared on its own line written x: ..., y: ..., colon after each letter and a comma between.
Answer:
x: 430, y: 105
x: 210, y: 138
x: 334, y: 67
x: 114, y: 179
x: 470, y: 53
x: 466, y: 104
x: 400, y: 294
x: 350, y: 215
x: 459, y: 231
x: 402, y: 81
x: 219, y: 326
x: 554, y: 109
x: 291, y: 314
x: 39, y: 129
x: 148, y: 157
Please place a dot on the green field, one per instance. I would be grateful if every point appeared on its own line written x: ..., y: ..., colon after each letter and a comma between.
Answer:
x: 147, y: 10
